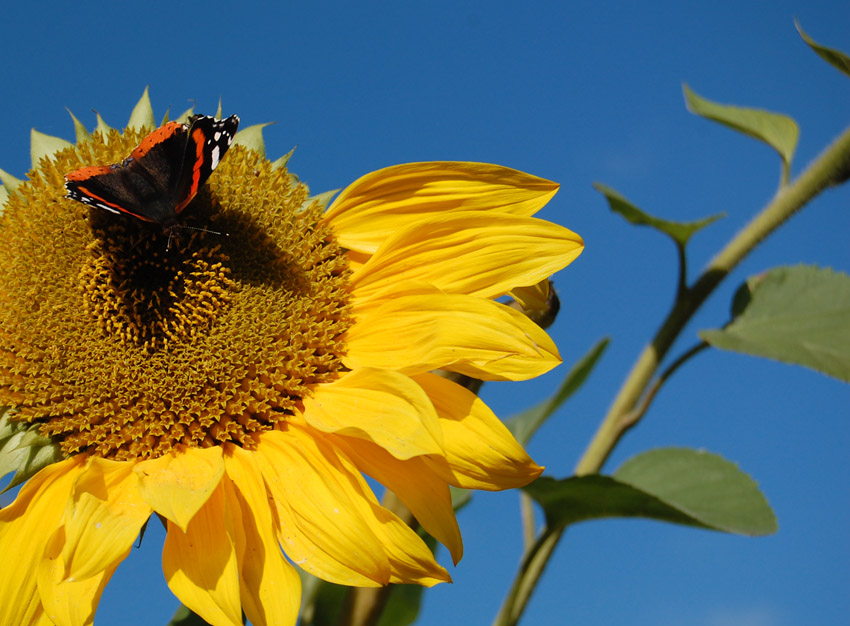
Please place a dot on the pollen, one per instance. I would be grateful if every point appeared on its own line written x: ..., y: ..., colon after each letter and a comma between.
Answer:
x: 123, y: 341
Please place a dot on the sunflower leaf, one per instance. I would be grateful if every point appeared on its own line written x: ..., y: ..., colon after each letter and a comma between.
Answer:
x: 795, y: 315
x: 676, y: 485
x: 183, y: 118
x: 79, y: 129
x: 23, y: 450
x: 776, y: 130
x: 524, y: 424
x: 142, y: 114
x: 836, y: 58
x: 184, y: 616
x: 681, y: 232
x: 102, y: 126
x: 283, y: 161
x: 252, y: 138
x: 322, y: 198
x: 42, y: 145
x: 9, y: 182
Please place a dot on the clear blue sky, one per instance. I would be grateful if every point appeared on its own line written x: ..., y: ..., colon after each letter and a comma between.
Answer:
x: 576, y: 92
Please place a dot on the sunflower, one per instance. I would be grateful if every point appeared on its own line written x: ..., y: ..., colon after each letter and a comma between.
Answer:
x: 242, y: 383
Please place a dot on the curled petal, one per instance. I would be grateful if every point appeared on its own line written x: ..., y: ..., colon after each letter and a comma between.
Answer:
x: 67, y: 602
x: 418, y: 486
x: 381, y: 406
x: 480, y: 452
x: 330, y: 522
x: 103, y: 518
x: 200, y: 565
x: 320, y: 529
x: 178, y: 484
x: 270, y: 587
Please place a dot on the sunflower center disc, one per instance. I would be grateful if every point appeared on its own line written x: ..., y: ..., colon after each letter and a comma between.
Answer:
x: 124, y: 346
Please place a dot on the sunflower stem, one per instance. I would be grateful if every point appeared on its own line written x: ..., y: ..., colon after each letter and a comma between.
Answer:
x: 830, y: 168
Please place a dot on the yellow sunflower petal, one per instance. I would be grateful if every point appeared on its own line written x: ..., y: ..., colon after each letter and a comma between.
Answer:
x: 409, y: 559
x: 25, y: 527
x: 66, y: 602
x: 381, y: 406
x: 320, y: 528
x: 481, y: 453
x: 177, y: 485
x: 271, y: 589
x: 421, y: 490
x: 469, y: 253
x: 103, y: 517
x: 200, y: 565
x: 378, y: 204
x: 480, y: 338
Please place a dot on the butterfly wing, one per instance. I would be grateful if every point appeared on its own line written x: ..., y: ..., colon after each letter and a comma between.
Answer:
x: 142, y: 185
x: 208, y: 140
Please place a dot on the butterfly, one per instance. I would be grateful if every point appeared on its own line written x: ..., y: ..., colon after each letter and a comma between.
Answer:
x: 161, y: 176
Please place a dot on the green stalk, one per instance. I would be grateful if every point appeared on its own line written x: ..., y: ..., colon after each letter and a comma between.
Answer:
x: 831, y: 168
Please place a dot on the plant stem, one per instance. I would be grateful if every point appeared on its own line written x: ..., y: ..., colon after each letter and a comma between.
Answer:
x: 830, y: 168
x: 822, y: 173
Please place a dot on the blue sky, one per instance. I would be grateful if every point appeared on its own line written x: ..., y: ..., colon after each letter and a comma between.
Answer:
x: 575, y: 92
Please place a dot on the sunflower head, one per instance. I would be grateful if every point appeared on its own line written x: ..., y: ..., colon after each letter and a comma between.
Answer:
x: 124, y: 340
x: 240, y: 371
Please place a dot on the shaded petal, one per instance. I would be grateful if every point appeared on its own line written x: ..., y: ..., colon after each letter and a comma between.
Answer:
x: 200, y: 565
x: 381, y: 406
x: 270, y: 586
x: 320, y: 528
x: 26, y: 525
x: 103, y: 518
x: 66, y: 602
x: 480, y: 451
x: 480, y: 338
x: 421, y: 490
x: 484, y: 255
x: 177, y: 485
x: 379, y: 536
x: 380, y: 203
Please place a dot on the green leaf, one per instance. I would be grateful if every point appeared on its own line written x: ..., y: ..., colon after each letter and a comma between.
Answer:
x: 9, y: 182
x: 42, y: 145
x: 102, y: 126
x: 322, y: 198
x: 23, y: 450
x: 80, y: 131
x: 836, y: 58
x: 523, y: 425
x: 704, y: 486
x: 776, y: 130
x: 282, y: 161
x: 252, y: 138
x: 403, y: 605
x: 681, y: 232
x: 142, y: 114
x: 797, y: 315
x: 185, y: 617
x: 673, y: 485
x: 183, y: 118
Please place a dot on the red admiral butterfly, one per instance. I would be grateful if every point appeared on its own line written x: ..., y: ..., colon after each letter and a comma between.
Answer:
x: 161, y: 176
